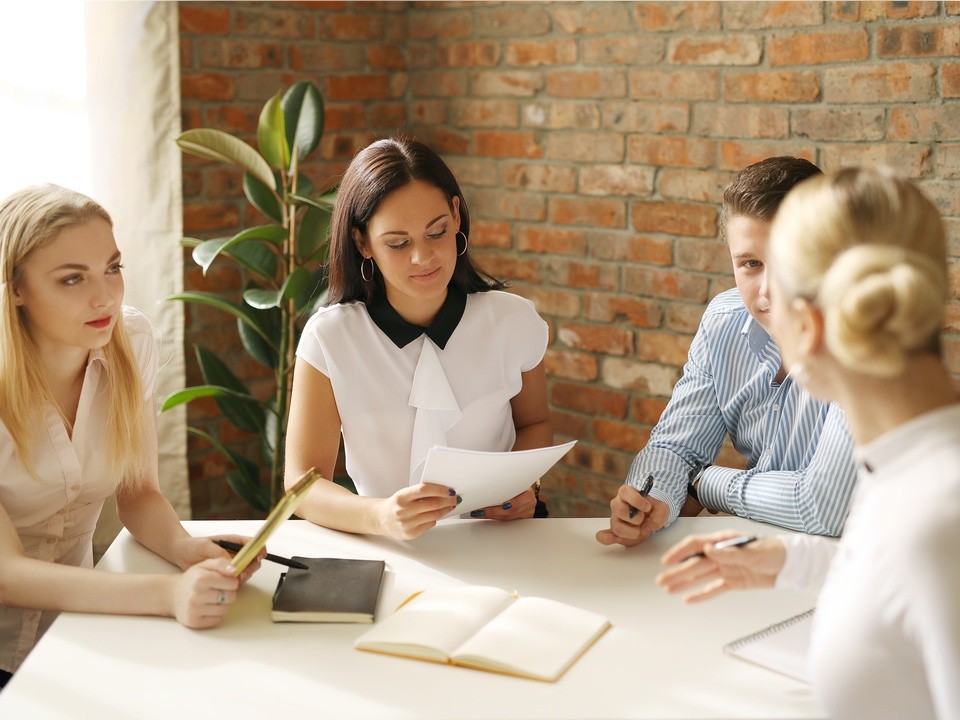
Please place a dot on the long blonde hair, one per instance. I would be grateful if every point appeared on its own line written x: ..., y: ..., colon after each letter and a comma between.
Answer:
x: 29, y: 220
x: 869, y: 248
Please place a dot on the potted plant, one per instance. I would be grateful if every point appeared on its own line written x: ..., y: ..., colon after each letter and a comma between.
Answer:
x: 284, y: 263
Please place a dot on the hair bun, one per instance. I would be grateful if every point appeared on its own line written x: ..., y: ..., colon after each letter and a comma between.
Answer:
x: 881, y: 303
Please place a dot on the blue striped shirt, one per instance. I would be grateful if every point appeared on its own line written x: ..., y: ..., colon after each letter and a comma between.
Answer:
x: 799, y: 451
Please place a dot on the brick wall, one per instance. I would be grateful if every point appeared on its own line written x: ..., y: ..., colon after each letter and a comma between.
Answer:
x: 593, y: 141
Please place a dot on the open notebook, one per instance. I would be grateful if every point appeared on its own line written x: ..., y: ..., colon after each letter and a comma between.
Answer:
x: 782, y: 647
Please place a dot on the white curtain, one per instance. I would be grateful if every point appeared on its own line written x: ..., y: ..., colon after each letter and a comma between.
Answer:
x: 133, y: 102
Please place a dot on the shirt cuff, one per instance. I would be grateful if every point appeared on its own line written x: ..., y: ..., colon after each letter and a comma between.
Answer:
x: 713, y: 485
x: 807, y: 561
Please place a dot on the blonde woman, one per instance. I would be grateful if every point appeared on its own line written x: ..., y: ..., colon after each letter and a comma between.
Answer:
x: 77, y: 372
x: 859, y: 288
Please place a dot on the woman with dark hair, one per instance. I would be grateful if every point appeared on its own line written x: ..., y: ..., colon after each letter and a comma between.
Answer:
x: 416, y: 347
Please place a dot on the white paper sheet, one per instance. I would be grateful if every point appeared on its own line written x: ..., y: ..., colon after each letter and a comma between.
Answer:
x: 488, y: 478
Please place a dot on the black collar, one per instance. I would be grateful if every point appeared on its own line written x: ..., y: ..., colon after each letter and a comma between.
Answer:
x: 403, y: 333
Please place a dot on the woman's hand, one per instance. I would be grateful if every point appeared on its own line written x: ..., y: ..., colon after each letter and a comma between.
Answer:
x: 410, y: 512
x: 734, y: 568
x: 193, y: 550
x: 202, y: 594
x: 520, y: 506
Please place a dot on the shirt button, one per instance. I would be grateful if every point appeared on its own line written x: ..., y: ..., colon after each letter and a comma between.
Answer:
x: 776, y: 407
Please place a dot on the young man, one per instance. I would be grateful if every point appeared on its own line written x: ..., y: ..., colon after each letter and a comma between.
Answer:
x: 799, y: 452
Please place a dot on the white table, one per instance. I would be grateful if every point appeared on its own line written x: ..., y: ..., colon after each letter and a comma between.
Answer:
x: 661, y: 659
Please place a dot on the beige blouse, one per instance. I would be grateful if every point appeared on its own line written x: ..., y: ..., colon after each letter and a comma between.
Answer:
x: 55, y: 513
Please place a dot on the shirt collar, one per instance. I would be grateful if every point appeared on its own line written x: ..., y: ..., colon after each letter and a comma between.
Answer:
x: 757, y: 337
x: 403, y: 333
x: 912, y: 439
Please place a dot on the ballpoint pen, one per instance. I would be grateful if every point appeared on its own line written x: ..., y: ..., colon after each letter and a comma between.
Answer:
x: 234, y: 547
x: 644, y: 491
x: 738, y: 541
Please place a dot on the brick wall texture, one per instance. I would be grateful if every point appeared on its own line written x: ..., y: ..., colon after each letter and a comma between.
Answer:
x: 592, y: 141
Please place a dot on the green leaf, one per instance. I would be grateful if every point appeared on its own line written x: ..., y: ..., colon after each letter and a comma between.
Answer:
x: 294, y: 284
x: 262, y: 299
x: 303, y: 115
x: 271, y: 136
x: 241, y: 312
x: 245, y: 414
x: 218, y: 145
x: 254, y: 492
x: 200, y: 391
x: 320, y: 203
x: 313, y: 294
x: 305, y: 185
x: 262, y: 198
x: 207, y: 251
x: 313, y: 232
x: 263, y: 352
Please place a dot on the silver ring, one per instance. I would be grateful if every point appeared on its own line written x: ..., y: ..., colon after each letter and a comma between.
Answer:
x: 221, y: 597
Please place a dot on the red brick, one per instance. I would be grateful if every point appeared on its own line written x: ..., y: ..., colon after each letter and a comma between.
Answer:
x: 475, y: 171
x: 755, y: 15
x: 668, y: 16
x: 345, y: 144
x: 600, y: 460
x: 737, y: 154
x: 639, y: 312
x: 562, y: 115
x: 203, y: 20
x: 484, y: 113
x: 684, y: 317
x: 817, y: 48
x: 232, y: 118
x: 351, y: 27
x: 948, y: 161
x: 540, y: 177
x: 325, y: 57
x: 868, y: 11
x: 918, y: 40
x: 469, y: 54
x: 533, y: 53
x: 489, y: 234
x: 586, y: 146
x: 262, y: 21
x: 641, y: 117
x: 443, y: 141
x: 665, y: 150
x: 663, y: 347
x: 709, y: 256
x: 438, y: 84
x: 387, y: 115
x: 575, y: 274
x: 630, y: 50
x: 616, y: 180
x: 699, y: 84
x: 910, y: 160
x: 429, y: 112
x: 697, y: 185
x: 567, y: 424
x: 587, y: 83
x: 720, y: 284
x: 509, y: 268
x: 923, y: 124
x: 356, y: 87
x: 423, y: 56
x: 671, y: 284
x: 674, y: 218
x: 888, y: 83
x: 202, y: 217
x: 551, y: 240
x: 553, y: 302
x: 629, y: 374
x: 723, y: 49
x: 207, y: 86
x: 245, y: 54
x: 186, y: 53
x: 220, y: 278
x: 945, y: 196
x: 510, y: 205
x: 950, y: 80
x: 223, y: 181
x: 758, y: 121
x: 588, y: 399
x: 432, y: 24
x: 515, y: 83
x: 592, y: 212
x: 640, y: 248
x: 771, y: 86
x: 590, y: 18
x: 570, y: 365
x: 505, y: 21
x: 343, y: 116
x: 647, y: 410
x: 620, y: 435
x: 507, y: 144
x: 385, y: 57
x: 952, y: 7
x: 596, y: 338
x: 834, y: 123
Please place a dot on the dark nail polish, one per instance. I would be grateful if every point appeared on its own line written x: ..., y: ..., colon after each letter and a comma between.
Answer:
x: 507, y: 505
x: 459, y: 499
x: 478, y: 513
x: 451, y: 492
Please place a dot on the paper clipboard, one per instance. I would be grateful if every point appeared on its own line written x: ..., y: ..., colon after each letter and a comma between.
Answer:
x: 281, y: 511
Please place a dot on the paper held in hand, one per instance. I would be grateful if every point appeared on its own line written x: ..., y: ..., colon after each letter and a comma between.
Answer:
x: 483, y: 479
x: 284, y: 508
x: 487, y: 628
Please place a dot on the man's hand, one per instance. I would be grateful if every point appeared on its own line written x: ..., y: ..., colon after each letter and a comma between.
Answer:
x: 633, y: 518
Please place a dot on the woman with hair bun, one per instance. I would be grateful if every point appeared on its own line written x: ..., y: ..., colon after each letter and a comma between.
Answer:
x: 859, y: 289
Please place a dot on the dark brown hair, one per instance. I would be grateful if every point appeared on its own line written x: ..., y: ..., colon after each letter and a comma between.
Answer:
x: 757, y: 190
x: 375, y: 172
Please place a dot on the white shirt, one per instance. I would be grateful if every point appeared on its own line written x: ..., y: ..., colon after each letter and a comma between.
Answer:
x: 886, y: 637
x: 399, y: 397
x: 55, y: 513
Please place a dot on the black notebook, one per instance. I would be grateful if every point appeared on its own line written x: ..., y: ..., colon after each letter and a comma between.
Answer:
x: 332, y: 590
x: 782, y: 647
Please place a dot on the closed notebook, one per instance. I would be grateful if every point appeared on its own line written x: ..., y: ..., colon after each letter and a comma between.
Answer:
x: 331, y: 590
x: 782, y: 647
x: 487, y: 628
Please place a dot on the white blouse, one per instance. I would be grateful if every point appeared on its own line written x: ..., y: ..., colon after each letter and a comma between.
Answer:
x: 886, y: 637
x: 55, y: 513
x: 399, y: 396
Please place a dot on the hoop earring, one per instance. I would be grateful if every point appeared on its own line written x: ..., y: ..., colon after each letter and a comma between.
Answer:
x: 459, y: 233
x: 372, y: 268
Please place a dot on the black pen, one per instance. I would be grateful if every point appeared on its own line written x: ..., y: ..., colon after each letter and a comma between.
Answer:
x: 235, y: 547
x: 738, y: 541
x: 644, y: 491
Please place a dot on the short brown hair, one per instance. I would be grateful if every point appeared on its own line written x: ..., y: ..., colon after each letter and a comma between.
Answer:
x: 757, y: 190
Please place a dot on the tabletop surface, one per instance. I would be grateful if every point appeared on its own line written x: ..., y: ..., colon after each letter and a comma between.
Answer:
x: 661, y: 658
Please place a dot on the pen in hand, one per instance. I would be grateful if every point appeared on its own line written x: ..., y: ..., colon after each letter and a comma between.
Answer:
x: 644, y: 491
x: 235, y: 547
x: 738, y: 541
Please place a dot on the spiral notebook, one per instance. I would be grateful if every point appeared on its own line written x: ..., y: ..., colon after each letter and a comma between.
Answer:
x: 782, y: 647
